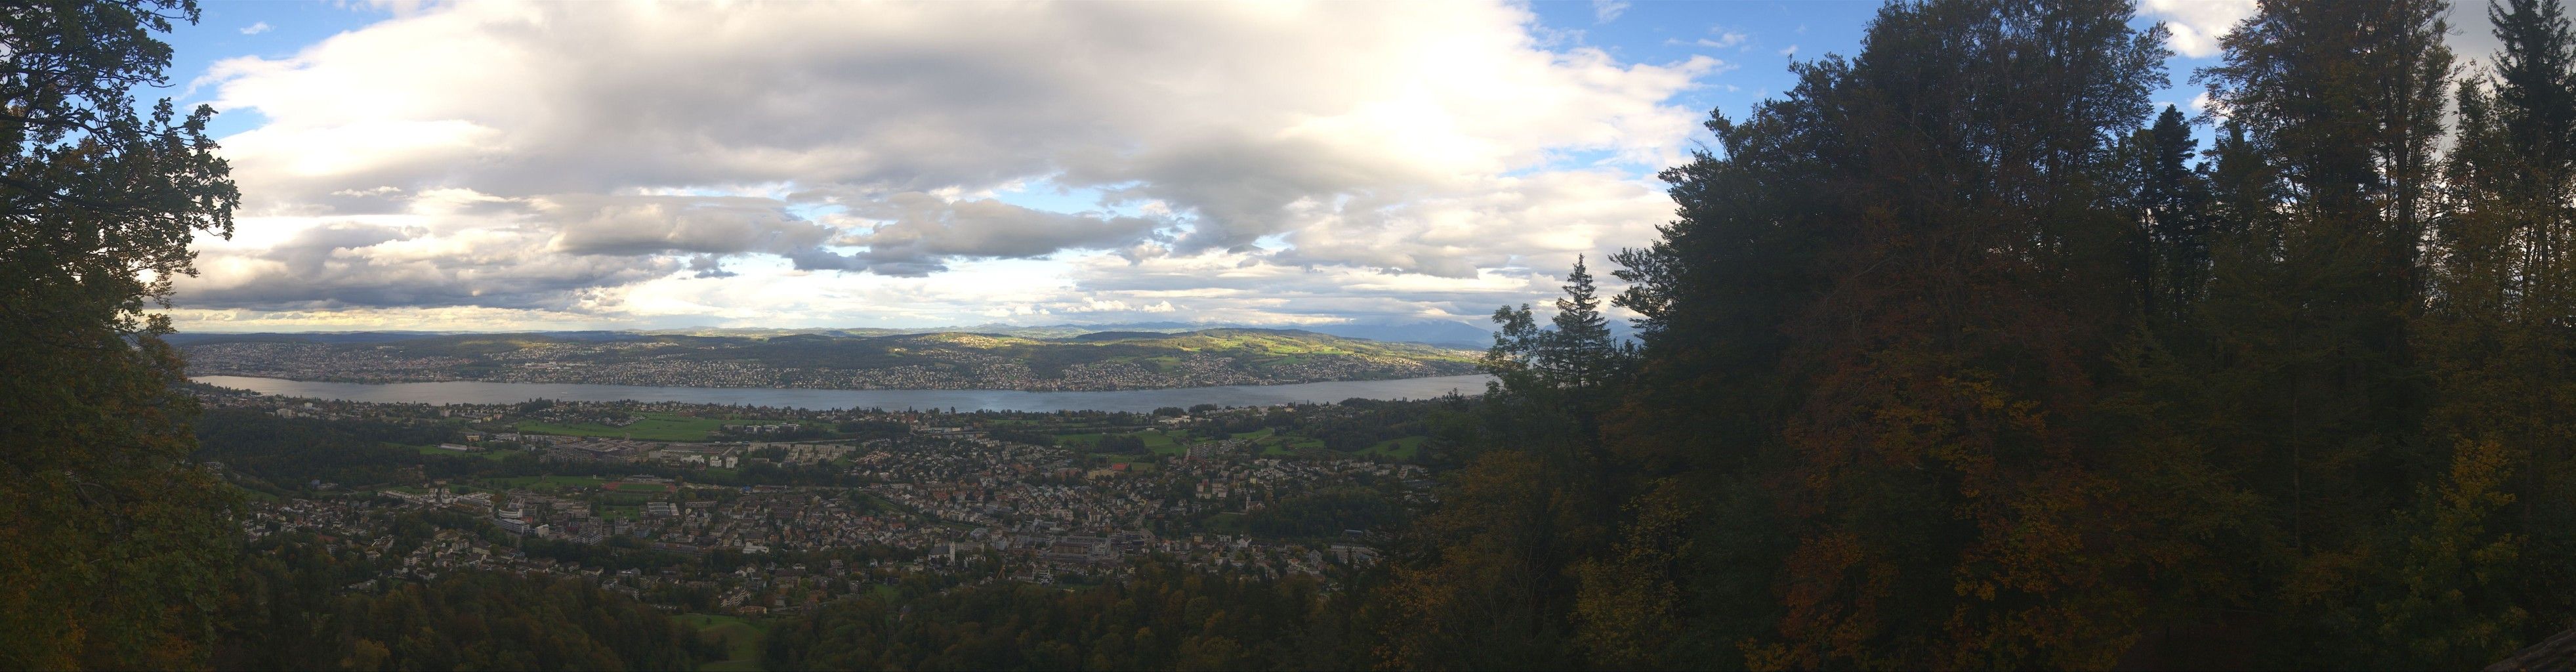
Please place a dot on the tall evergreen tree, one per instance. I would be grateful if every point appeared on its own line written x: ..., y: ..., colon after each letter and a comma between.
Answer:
x: 1915, y: 261
x: 1484, y: 582
x: 2343, y: 103
x: 2496, y: 337
x: 2173, y: 197
x: 1581, y: 350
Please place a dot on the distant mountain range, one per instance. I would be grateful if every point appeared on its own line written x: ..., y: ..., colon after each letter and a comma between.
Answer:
x: 1038, y: 358
x: 1432, y: 332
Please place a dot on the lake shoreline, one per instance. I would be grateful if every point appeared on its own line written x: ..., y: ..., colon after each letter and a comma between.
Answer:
x: 477, y: 392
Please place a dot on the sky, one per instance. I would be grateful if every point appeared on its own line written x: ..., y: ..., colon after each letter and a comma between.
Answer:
x: 496, y: 166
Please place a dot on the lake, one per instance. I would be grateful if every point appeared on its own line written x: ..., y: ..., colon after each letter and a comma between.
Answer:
x: 470, y: 392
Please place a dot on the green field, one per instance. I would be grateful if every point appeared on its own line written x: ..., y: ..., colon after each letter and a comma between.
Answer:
x: 1402, y: 449
x: 435, y: 450
x: 741, y: 638
x: 654, y: 427
x: 1274, y: 445
x: 1156, y: 441
x: 547, y: 483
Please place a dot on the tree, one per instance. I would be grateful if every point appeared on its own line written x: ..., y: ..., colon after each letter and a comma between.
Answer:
x: 113, y: 548
x: 1581, y: 351
x: 2495, y: 332
x: 2312, y: 317
x: 2173, y: 198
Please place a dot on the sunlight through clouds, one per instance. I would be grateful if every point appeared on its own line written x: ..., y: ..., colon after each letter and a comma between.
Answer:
x: 703, y: 163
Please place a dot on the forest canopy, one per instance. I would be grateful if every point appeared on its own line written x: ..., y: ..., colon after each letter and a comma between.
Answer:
x: 1962, y: 355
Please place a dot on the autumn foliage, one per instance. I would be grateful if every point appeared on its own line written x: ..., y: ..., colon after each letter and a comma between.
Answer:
x: 1963, y: 355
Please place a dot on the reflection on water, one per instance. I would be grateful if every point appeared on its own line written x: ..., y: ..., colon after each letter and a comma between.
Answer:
x: 468, y: 392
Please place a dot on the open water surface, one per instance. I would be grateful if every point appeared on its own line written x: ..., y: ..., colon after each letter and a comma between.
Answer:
x: 473, y: 392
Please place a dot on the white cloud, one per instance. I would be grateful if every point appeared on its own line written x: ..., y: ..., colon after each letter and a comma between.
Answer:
x: 255, y: 29
x: 634, y: 156
x: 2196, y: 25
x: 2201, y: 102
x: 1605, y: 11
x: 1724, y: 39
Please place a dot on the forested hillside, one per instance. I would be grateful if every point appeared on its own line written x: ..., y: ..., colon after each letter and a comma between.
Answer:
x: 1960, y: 355
x: 290, y: 609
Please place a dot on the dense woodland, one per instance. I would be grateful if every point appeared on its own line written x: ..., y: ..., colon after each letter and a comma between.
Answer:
x: 1961, y: 355
x: 287, y: 611
x: 1958, y: 355
x: 1161, y: 619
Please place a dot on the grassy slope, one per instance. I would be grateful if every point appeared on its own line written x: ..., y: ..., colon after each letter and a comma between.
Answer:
x: 742, y: 639
x: 1401, y: 449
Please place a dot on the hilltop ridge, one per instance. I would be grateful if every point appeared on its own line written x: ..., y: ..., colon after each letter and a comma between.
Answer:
x: 830, y: 359
x: 1428, y: 332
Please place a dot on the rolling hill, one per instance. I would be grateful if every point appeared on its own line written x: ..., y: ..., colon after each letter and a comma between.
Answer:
x: 835, y: 359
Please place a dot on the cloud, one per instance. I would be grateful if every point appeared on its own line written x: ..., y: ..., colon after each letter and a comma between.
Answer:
x: 624, y: 150
x: 358, y: 264
x: 2196, y: 25
x: 1541, y: 220
x: 255, y: 29
x: 708, y: 266
x: 1725, y: 38
x: 1605, y: 11
x: 631, y: 225
x: 919, y: 231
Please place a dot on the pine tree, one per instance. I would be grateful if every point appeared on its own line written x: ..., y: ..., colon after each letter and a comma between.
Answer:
x: 2311, y: 314
x: 2173, y: 197
x: 2495, y: 333
x: 1580, y: 351
x: 1890, y: 294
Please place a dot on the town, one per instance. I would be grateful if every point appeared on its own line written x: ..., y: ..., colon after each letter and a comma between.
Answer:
x: 771, y: 509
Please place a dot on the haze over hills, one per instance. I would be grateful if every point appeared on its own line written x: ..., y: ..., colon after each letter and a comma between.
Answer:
x: 1432, y: 332
x: 831, y: 359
